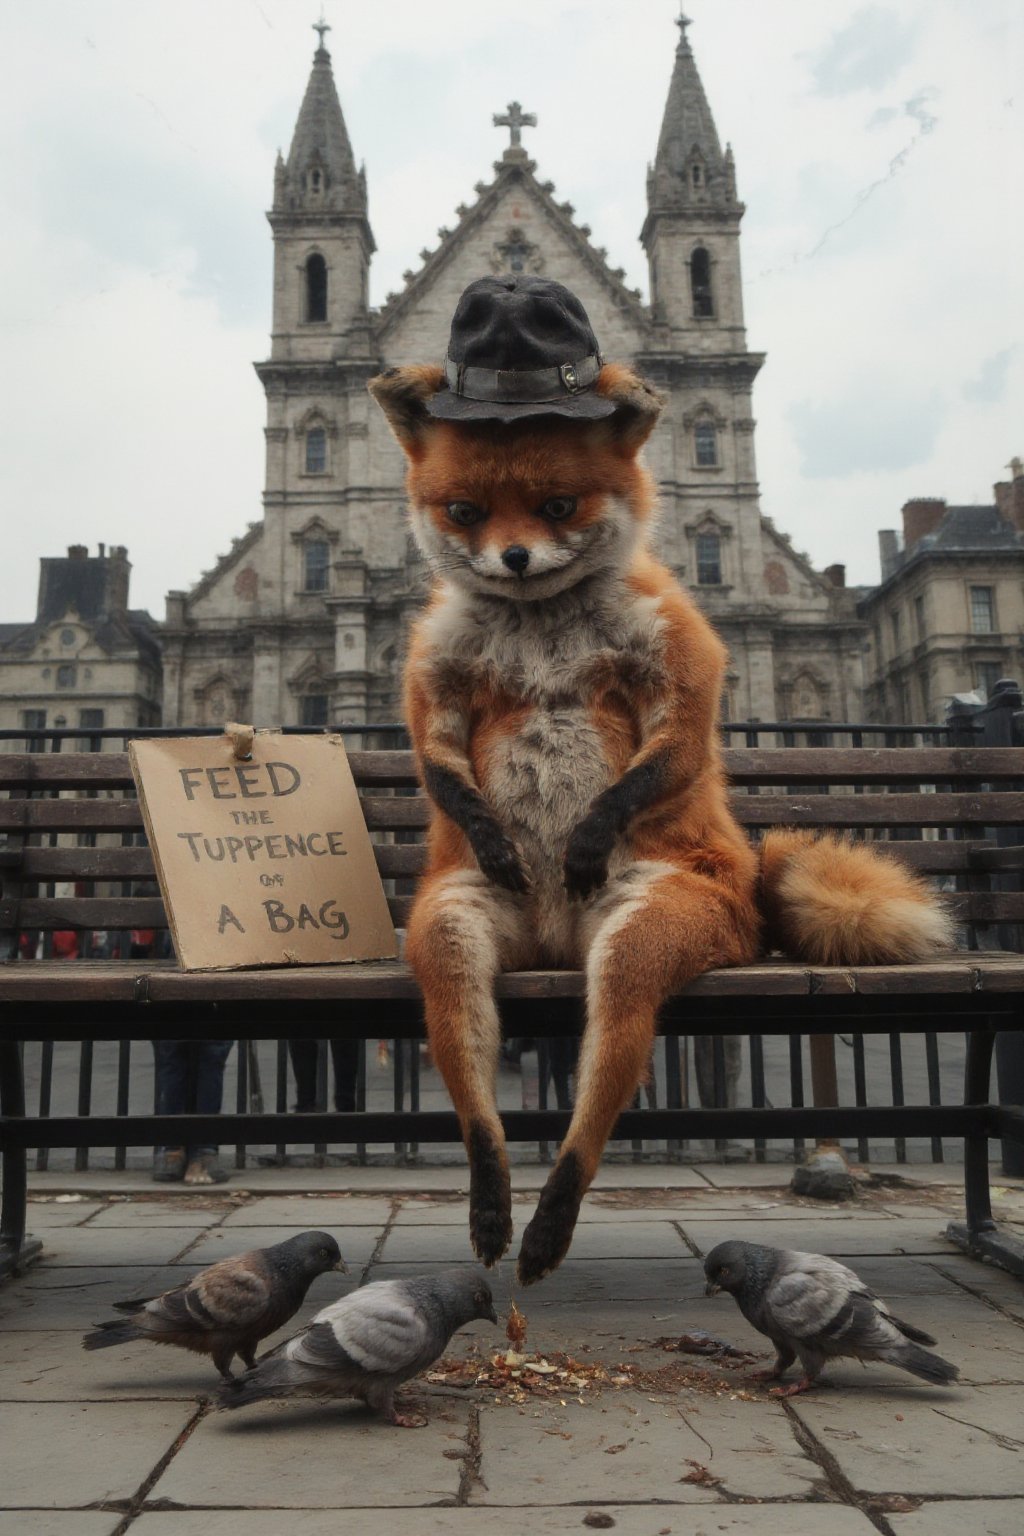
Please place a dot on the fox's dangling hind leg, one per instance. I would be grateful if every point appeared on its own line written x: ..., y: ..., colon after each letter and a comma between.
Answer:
x: 462, y: 930
x: 654, y: 929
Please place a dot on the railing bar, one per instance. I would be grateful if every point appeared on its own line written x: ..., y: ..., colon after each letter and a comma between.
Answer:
x: 896, y: 1070
x: 242, y: 1094
x: 931, y: 1056
x: 757, y: 1090
x: 85, y: 1061
x: 860, y: 1090
x: 45, y: 1092
x: 124, y: 1067
x: 796, y: 1083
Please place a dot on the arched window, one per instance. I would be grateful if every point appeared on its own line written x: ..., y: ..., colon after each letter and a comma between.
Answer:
x: 700, y: 283
x: 696, y: 175
x: 316, y: 451
x: 313, y: 709
x: 316, y: 288
x: 709, y: 560
x: 315, y: 565
x: 705, y: 439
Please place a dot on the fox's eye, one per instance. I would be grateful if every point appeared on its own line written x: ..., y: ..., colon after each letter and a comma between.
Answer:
x: 558, y: 508
x: 464, y: 513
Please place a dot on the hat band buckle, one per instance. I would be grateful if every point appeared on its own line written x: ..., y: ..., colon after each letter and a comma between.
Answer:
x: 522, y: 386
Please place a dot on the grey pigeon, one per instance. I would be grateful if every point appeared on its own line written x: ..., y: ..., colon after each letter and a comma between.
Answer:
x: 369, y: 1342
x: 227, y: 1309
x: 814, y: 1308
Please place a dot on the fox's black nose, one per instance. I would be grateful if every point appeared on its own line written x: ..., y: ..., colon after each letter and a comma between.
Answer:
x: 516, y: 557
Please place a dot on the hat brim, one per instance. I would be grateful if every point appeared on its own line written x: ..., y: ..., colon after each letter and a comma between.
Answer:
x: 586, y: 406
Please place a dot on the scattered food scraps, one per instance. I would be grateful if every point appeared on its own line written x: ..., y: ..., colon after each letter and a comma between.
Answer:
x: 519, y: 1378
x: 598, y: 1520
x: 701, y: 1475
x: 515, y: 1329
x: 700, y: 1343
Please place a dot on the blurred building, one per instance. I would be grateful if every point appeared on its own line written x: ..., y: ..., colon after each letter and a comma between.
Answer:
x: 303, y: 621
x: 87, y: 660
x: 948, y: 617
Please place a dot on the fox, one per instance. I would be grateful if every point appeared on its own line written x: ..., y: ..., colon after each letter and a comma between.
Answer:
x: 562, y: 694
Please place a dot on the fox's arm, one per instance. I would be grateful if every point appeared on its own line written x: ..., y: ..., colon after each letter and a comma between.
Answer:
x: 439, y: 724
x: 677, y: 718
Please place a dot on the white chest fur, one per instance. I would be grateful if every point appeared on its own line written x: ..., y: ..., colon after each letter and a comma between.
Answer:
x: 553, y: 658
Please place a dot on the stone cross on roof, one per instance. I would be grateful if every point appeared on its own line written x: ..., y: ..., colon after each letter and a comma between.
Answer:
x: 321, y: 26
x: 516, y: 120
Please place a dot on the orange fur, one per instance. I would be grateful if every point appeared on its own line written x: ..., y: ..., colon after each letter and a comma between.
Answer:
x: 570, y: 725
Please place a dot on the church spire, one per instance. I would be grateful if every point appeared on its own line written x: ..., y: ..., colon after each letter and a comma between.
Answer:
x: 320, y: 172
x: 689, y: 167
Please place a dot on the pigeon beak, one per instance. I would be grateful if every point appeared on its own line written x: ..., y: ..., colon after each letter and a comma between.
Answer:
x: 341, y: 1267
x: 711, y: 1289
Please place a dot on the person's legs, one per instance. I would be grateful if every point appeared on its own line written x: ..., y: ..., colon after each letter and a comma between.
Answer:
x: 346, y: 1074
x: 210, y: 1059
x: 170, y: 1078
x: 303, y: 1057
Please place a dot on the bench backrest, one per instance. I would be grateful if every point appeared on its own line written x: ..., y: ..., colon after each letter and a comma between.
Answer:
x: 71, y: 820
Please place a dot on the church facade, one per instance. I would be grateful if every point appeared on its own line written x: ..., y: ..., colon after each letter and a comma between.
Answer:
x: 304, y: 620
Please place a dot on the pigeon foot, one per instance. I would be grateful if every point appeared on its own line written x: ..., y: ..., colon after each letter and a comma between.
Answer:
x: 793, y: 1389
x: 407, y: 1420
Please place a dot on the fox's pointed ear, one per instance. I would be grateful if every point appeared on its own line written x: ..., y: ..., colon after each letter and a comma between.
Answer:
x: 402, y: 394
x: 637, y: 406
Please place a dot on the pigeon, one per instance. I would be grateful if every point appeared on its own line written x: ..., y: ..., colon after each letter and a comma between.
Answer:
x: 369, y: 1342
x: 227, y: 1309
x: 815, y: 1308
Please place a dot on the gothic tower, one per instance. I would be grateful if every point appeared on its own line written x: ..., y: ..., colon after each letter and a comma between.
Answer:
x: 304, y: 620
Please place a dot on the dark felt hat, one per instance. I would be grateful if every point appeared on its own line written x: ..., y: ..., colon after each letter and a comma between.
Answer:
x: 520, y: 346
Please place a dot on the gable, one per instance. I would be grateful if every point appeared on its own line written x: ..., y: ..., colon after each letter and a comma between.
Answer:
x: 516, y: 221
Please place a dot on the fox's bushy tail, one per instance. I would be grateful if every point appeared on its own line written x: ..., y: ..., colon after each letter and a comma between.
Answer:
x: 830, y: 901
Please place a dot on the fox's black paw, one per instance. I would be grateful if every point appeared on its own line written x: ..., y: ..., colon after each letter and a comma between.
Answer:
x: 547, y: 1239
x: 586, y: 858
x: 499, y: 858
x: 490, y: 1198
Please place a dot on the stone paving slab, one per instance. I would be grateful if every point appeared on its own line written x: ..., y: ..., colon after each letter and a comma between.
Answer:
x: 74, y: 1454
x: 197, y: 1211
x: 944, y: 1442
x: 689, y: 1520
x: 44, y: 1215
x: 52, y: 1367
x: 317, y: 1455
x: 51, y: 1522
x: 63, y: 1299
x: 356, y: 1244
x: 963, y: 1517
x: 79, y: 1247
x: 316, y: 1213
x: 598, y: 1241
x: 626, y: 1448
x: 876, y: 1235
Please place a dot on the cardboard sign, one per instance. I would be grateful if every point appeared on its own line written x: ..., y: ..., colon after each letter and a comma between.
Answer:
x: 262, y: 860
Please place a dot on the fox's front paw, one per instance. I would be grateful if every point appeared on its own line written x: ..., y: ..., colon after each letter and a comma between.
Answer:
x: 586, y: 858
x: 499, y: 858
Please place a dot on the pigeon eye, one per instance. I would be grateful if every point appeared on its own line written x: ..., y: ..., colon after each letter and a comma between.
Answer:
x: 465, y: 513
x: 557, y: 508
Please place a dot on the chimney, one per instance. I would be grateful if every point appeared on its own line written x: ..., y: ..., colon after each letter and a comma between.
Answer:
x: 920, y: 517
x: 836, y: 574
x: 888, y: 551
x: 94, y: 586
x: 1009, y: 495
x: 78, y: 552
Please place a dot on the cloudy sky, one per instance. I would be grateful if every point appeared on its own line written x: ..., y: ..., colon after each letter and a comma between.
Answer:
x: 878, y: 149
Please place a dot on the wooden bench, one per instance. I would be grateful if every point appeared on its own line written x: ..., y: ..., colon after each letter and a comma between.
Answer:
x: 73, y: 819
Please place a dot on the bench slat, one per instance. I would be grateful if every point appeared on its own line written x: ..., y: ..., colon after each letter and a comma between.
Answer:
x: 411, y: 812
x: 57, y: 982
x: 745, y: 765
x: 53, y: 912
x: 406, y: 860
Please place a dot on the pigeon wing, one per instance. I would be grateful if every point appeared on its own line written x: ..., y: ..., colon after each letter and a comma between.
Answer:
x: 378, y: 1330
x: 808, y: 1292
x: 231, y: 1296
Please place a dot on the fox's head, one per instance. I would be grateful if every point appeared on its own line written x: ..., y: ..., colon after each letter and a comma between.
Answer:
x: 528, y: 509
